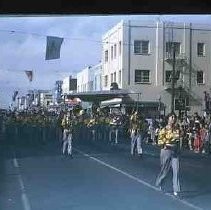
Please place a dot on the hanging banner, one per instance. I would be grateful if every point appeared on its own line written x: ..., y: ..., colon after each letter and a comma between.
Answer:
x: 53, y: 47
x: 14, y: 95
x: 29, y: 74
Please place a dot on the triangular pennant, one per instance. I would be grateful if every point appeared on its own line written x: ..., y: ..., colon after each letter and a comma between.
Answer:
x: 14, y: 95
x: 53, y: 47
x: 29, y: 75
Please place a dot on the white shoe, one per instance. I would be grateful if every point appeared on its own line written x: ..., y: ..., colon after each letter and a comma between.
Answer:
x: 175, y: 194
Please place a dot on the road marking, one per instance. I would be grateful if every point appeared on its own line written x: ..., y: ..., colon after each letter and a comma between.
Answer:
x: 139, y: 180
x: 15, y: 163
x: 24, y: 197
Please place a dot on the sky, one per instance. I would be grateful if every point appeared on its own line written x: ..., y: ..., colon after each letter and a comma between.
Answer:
x: 24, y: 48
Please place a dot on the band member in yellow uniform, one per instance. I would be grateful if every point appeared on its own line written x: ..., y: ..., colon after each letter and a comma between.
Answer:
x: 136, y: 133
x: 67, y: 134
x: 168, y: 139
x: 92, y: 126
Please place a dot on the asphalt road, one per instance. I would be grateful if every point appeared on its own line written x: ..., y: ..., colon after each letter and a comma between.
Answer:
x: 99, y: 177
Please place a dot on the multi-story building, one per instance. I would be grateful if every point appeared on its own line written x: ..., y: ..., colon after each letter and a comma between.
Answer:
x: 89, y: 79
x: 139, y: 57
x: 85, y: 80
x: 57, y: 97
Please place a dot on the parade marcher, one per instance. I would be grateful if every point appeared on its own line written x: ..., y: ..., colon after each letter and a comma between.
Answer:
x: 197, y: 137
x: 92, y: 127
x: 136, y: 132
x: 67, y: 134
x: 168, y: 139
x: 152, y: 132
x: 114, y: 128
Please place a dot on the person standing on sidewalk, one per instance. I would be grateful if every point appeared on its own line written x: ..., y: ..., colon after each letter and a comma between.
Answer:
x: 169, y: 141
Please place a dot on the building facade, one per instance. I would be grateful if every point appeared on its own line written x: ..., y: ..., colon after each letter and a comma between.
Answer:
x: 57, y: 97
x: 69, y: 85
x: 45, y: 98
x: 97, y: 80
x: 140, y: 56
x: 89, y: 79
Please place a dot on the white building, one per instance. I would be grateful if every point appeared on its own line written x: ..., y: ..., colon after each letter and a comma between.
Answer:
x: 97, y: 80
x: 46, y: 98
x: 89, y: 79
x: 69, y: 85
x: 138, y: 56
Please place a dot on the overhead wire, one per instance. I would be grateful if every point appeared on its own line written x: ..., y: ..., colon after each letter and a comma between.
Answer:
x: 64, y: 37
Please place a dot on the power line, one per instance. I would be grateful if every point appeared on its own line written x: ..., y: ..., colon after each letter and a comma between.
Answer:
x: 68, y: 38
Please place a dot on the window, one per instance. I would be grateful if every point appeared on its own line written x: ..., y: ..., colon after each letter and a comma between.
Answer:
x: 200, y: 77
x: 111, y: 77
x: 114, y: 77
x: 142, y: 76
x: 201, y: 49
x: 120, y: 47
x: 170, y: 46
x: 141, y: 47
x: 114, y: 51
x: 90, y: 85
x: 169, y: 75
x: 106, y: 56
x: 120, y: 76
x: 106, y: 80
x: 95, y: 82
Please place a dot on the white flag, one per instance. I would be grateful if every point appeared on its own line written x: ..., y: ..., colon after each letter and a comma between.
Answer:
x: 53, y: 47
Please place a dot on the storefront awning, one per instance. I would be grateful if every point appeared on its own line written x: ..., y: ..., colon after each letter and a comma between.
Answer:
x: 98, y: 96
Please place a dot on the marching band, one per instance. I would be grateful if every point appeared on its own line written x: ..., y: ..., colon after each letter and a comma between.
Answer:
x: 76, y: 126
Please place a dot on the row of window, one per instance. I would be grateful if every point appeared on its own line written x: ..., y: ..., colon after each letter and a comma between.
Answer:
x: 142, y: 47
x: 143, y: 76
x: 114, y: 51
x: 176, y: 46
x: 86, y: 87
x: 113, y: 78
x: 199, y: 76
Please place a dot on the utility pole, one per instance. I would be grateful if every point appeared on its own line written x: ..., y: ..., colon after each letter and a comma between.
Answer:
x: 173, y: 79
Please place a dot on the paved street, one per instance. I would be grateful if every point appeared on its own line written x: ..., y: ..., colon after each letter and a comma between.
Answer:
x: 99, y: 177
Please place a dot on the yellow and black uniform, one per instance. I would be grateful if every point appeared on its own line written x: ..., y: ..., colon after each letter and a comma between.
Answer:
x: 168, y: 136
x: 66, y: 122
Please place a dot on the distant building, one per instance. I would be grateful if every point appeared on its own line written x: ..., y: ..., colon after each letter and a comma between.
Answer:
x: 89, y: 79
x: 46, y: 98
x: 69, y: 85
x: 85, y: 79
x: 57, y: 96
x: 97, y: 82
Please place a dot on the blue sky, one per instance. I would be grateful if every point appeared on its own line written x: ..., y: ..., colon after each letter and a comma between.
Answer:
x: 24, y: 51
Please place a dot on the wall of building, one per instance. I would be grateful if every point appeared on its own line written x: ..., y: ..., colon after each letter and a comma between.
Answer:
x: 83, y: 80
x: 158, y: 33
x: 97, y: 74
